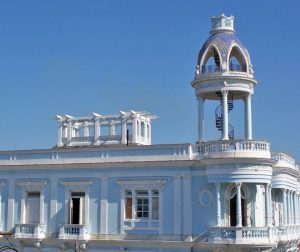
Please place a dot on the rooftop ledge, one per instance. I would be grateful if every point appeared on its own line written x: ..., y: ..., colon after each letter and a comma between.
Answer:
x: 117, y: 154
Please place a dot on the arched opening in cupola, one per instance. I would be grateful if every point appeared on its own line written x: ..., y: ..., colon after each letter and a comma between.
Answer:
x: 237, y: 60
x: 212, y: 61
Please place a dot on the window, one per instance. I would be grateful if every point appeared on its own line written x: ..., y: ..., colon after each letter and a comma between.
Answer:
x: 32, y: 208
x: 32, y: 202
x: 76, y: 201
x: 77, y: 210
x: 141, y: 204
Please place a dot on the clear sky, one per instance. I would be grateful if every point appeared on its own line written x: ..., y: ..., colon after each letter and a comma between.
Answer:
x: 78, y: 57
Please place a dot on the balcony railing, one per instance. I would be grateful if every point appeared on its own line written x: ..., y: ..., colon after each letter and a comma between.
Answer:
x: 236, y: 148
x: 75, y: 231
x: 33, y: 231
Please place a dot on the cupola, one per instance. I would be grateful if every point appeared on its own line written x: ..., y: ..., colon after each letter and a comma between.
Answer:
x: 224, y: 73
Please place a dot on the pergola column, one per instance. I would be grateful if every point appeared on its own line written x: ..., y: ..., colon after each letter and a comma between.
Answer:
x: 124, y: 130
x: 112, y: 128
x: 248, y: 117
x: 218, y: 201
x: 60, y: 134
x: 134, y: 129
x: 96, y: 130
x: 238, y: 205
x: 86, y: 132
x: 200, y: 119
x: 69, y: 131
x: 225, y: 114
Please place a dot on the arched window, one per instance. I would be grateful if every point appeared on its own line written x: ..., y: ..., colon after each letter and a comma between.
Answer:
x: 212, y: 62
x: 237, y: 61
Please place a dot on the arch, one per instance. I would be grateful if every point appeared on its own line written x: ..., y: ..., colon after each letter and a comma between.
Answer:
x: 211, y: 54
x: 241, y: 61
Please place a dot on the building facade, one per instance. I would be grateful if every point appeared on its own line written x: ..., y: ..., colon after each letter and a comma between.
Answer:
x: 105, y: 187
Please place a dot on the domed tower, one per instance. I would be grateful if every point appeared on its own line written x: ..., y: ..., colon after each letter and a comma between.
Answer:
x: 224, y: 72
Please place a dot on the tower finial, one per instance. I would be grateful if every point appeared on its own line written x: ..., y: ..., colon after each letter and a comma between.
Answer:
x: 222, y: 23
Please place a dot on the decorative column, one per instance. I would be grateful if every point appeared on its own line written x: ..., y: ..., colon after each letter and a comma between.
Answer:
x: 225, y: 114
x: 267, y: 204
x: 296, y: 208
x: 238, y: 205
x: 103, y: 205
x: 96, y: 130
x: 289, y: 206
x: 293, y: 208
x: 60, y: 134
x: 284, y: 202
x: 53, y: 204
x: 248, y: 117
x: 200, y: 119
x: 187, y: 209
x: 177, y: 205
x: 123, y: 130
x: 218, y: 201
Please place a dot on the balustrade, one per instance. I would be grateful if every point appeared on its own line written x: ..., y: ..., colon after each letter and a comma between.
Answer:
x: 248, y: 147
x: 30, y: 231
x: 74, y: 231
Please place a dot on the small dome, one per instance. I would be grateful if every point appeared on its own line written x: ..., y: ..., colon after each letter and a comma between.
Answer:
x: 224, y: 46
x: 223, y: 42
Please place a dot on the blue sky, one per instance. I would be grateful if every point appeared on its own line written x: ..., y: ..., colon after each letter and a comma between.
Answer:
x: 78, y: 57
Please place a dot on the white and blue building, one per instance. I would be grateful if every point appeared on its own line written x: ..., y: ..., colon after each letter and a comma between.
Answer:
x: 106, y: 187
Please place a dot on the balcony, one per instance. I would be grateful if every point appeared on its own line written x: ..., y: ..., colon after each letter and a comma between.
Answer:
x: 234, y: 149
x: 75, y: 231
x: 30, y: 231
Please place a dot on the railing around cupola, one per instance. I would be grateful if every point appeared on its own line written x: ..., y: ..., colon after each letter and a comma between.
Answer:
x: 210, y: 69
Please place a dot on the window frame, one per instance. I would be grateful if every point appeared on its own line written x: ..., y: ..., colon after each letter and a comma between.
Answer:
x: 29, y: 187
x: 76, y: 186
x: 139, y: 223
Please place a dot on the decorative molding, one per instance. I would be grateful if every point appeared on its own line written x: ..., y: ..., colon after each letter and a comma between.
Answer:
x: 202, y: 198
x: 141, y: 183
x: 77, y: 183
x: 32, y: 183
